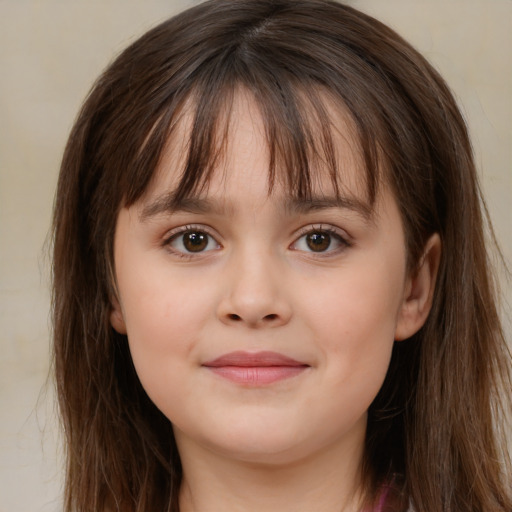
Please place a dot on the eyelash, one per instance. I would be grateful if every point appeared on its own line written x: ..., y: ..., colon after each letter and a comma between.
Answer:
x: 331, y: 232
x: 182, y: 231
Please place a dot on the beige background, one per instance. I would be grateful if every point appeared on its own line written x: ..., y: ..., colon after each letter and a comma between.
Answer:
x: 50, y: 52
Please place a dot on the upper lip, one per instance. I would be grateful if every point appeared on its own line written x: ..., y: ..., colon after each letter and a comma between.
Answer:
x: 253, y: 359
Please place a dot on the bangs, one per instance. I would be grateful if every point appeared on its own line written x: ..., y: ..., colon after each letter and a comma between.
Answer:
x: 301, y: 119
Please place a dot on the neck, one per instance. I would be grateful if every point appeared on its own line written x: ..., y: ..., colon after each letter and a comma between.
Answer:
x: 326, y: 482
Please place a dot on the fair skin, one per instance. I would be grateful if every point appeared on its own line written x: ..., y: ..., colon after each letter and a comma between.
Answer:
x: 239, y: 273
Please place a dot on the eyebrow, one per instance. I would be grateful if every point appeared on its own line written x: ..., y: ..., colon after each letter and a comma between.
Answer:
x: 168, y: 203
x: 354, y: 204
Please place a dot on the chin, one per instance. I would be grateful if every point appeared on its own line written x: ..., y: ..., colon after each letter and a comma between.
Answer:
x: 268, y: 442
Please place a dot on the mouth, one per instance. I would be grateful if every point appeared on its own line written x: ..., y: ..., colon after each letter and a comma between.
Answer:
x: 255, y: 368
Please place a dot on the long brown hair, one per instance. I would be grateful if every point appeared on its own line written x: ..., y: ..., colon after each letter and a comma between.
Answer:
x: 437, y: 427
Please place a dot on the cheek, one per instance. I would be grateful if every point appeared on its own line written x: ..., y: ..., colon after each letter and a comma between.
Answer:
x: 354, y: 317
x: 162, y: 303
x: 359, y: 304
x: 163, y: 322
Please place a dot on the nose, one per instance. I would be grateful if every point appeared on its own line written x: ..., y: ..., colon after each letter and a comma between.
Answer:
x: 255, y: 294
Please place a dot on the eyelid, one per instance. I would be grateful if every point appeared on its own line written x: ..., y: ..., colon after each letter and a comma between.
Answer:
x: 341, y: 235
x: 174, y: 233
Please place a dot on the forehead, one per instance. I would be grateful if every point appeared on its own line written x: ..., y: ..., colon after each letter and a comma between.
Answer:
x: 243, y: 146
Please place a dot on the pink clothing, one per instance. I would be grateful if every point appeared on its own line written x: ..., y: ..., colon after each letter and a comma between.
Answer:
x: 382, y: 500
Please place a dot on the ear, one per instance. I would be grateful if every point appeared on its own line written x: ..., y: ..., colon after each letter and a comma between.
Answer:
x: 117, y: 317
x: 419, y: 291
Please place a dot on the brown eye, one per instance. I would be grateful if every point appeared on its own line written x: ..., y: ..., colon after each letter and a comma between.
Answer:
x: 195, y: 241
x: 318, y: 241
x: 192, y: 241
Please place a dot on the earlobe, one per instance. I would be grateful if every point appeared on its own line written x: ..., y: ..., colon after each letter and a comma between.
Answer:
x: 419, y: 291
x: 117, y: 317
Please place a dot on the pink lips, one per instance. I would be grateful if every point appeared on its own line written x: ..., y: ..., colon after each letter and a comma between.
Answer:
x: 255, y: 369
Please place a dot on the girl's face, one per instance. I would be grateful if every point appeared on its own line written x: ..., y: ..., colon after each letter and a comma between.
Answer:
x: 262, y: 326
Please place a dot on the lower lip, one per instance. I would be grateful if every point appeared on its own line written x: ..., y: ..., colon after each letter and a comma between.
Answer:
x: 257, y: 375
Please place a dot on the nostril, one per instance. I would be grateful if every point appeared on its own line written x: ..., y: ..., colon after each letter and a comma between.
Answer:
x: 233, y: 316
x: 272, y: 316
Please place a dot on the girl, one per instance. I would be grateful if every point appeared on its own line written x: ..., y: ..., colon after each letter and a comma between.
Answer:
x: 271, y: 290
